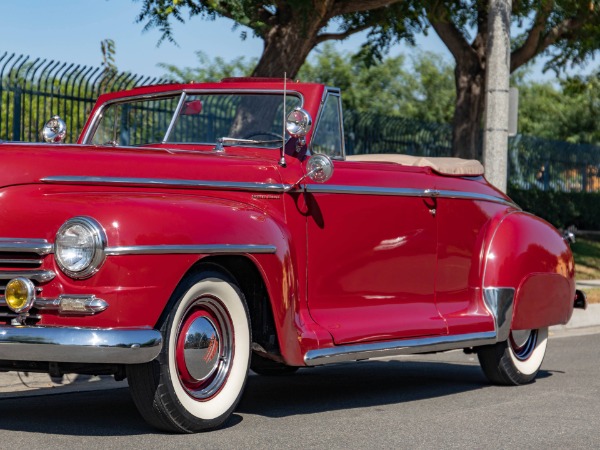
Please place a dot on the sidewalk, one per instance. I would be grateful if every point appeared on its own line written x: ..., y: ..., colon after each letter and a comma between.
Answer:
x: 18, y: 384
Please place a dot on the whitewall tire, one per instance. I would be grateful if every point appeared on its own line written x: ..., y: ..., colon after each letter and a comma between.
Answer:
x: 198, y: 379
x: 516, y: 360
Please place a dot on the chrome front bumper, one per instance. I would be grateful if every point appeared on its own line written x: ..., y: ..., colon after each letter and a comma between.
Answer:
x: 79, y: 345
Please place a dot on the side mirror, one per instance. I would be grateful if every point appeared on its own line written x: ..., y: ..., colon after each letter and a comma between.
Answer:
x: 54, y: 131
x: 320, y: 168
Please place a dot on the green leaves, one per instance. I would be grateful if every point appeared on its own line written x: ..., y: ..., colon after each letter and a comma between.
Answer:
x: 420, y: 87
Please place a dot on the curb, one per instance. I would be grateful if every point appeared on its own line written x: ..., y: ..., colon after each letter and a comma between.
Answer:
x: 582, y: 318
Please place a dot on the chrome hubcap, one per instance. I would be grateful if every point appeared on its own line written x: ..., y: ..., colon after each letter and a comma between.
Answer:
x: 201, y: 349
x: 204, y: 348
x: 523, y: 343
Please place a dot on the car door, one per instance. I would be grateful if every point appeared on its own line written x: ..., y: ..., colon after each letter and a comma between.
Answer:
x: 371, y: 254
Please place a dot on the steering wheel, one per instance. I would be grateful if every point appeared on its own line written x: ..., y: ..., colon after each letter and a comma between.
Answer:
x: 262, y: 133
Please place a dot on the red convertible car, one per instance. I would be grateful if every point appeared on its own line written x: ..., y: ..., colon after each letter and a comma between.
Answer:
x: 196, y: 231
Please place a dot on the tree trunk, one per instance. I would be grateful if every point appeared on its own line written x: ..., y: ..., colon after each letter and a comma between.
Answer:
x: 468, y: 113
x: 286, y: 48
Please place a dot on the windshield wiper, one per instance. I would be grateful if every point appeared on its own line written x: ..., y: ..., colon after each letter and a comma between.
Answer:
x: 223, y: 141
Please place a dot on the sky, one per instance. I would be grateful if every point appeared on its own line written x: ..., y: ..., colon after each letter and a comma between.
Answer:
x: 71, y: 31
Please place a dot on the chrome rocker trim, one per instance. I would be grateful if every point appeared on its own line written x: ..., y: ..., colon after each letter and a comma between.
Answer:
x: 395, y: 348
x: 498, y: 300
x: 79, y: 345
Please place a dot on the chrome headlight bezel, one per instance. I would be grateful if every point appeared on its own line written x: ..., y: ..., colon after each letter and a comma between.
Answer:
x: 97, y: 236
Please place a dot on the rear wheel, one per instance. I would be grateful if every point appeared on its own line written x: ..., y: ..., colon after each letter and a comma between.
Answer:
x: 516, y: 360
x: 198, y: 378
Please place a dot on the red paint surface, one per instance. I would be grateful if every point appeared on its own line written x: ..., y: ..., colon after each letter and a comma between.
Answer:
x: 348, y: 268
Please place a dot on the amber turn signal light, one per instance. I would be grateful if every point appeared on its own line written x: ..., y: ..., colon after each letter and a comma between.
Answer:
x: 20, y: 294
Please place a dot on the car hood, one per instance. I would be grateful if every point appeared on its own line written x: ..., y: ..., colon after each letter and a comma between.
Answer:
x: 36, y: 163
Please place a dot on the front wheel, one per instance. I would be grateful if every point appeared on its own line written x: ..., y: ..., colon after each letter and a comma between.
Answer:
x: 517, y: 360
x: 198, y: 378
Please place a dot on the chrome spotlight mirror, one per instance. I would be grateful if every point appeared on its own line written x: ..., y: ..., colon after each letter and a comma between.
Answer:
x: 55, y: 130
x: 319, y: 168
x: 298, y: 123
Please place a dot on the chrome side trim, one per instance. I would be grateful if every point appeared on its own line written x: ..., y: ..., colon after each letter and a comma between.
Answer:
x: 41, y: 276
x: 79, y: 345
x: 405, y: 192
x: 394, y: 348
x: 164, y: 182
x: 499, y: 301
x: 189, y: 249
x: 274, y: 187
x: 37, y: 246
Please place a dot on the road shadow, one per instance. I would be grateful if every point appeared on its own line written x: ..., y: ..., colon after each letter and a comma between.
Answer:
x: 359, y: 385
x: 311, y: 390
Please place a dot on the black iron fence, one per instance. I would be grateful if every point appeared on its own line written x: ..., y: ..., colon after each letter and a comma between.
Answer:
x: 31, y: 91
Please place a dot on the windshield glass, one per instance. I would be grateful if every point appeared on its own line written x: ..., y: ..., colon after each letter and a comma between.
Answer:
x: 235, y: 118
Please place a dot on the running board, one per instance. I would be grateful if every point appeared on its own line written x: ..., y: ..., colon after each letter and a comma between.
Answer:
x: 356, y: 352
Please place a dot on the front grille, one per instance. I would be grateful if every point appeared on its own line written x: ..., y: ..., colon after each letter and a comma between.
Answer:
x: 22, y: 258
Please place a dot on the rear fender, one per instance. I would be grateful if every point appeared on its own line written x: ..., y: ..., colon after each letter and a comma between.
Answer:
x: 528, y: 274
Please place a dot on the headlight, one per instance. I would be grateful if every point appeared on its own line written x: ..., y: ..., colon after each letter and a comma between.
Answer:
x: 79, y: 247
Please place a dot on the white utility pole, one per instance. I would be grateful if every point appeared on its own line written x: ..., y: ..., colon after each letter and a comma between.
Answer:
x: 495, y: 136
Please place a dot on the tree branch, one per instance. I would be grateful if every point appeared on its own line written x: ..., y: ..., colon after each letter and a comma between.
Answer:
x: 340, y: 36
x: 448, y: 33
x: 341, y: 7
x: 541, y: 42
x: 529, y: 48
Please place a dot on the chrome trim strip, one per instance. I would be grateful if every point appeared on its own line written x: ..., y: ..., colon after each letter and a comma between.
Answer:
x: 79, y: 345
x: 475, y: 196
x: 175, y: 117
x: 38, y: 246
x: 404, y: 192
x: 94, y: 305
x: 164, y: 182
x: 189, y: 249
x: 499, y: 301
x: 41, y: 276
x: 21, y: 261
x: 275, y: 187
x: 394, y: 348
x: 366, y: 190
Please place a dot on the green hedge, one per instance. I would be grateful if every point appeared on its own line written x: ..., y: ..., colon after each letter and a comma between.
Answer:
x: 562, y: 209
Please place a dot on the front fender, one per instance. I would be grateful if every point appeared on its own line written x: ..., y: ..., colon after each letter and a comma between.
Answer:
x: 139, y: 273
x: 527, y: 255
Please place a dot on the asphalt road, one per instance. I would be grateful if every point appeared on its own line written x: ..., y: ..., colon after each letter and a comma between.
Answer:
x: 431, y: 401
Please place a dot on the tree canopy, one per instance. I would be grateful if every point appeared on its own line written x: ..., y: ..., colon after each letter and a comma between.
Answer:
x: 421, y: 86
x: 291, y: 29
x: 566, y: 31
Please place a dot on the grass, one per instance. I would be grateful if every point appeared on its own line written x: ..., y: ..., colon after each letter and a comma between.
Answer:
x: 587, y: 259
x: 592, y: 295
x: 587, y: 265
